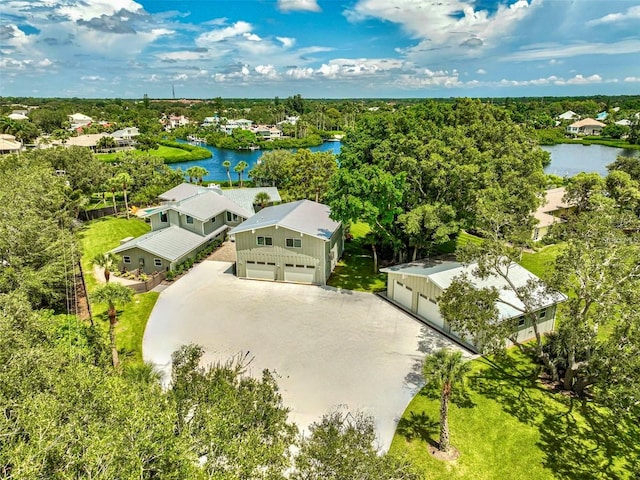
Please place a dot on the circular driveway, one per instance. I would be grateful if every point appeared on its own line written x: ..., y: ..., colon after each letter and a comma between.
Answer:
x: 328, y: 348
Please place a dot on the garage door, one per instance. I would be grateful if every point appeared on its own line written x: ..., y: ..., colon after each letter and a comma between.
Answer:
x: 403, y: 295
x: 429, y: 310
x: 299, y: 273
x: 261, y: 271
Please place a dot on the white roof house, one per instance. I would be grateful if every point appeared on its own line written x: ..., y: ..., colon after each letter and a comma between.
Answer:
x: 9, y: 144
x: 568, y: 115
x: 303, y: 216
x: 624, y: 122
x: 18, y: 116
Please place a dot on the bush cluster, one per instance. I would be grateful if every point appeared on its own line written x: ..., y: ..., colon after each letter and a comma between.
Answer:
x: 190, y: 262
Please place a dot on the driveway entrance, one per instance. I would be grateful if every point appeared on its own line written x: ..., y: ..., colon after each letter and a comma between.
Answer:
x: 328, y: 348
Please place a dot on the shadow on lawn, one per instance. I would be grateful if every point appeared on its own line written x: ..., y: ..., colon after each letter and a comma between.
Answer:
x: 579, y: 440
x: 419, y: 426
x: 355, y: 269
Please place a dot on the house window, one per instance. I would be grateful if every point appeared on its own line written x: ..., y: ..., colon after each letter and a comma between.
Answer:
x: 232, y: 217
x: 265, y: 240
x: 521, y: 321
x: 189, y: 219
x: 126, y: 259
x: 163, y: 217
x: 157, y: 262
x: 543, y: 313
x: 293, y: 242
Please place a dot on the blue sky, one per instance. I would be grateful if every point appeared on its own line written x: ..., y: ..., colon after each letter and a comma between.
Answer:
x: 319, y: 48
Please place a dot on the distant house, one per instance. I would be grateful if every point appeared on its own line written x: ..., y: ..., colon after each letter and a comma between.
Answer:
x: 568, y: 115
x: 174, y: 121
x: 126, y: 136
x: 416, y: 286
x: 231, y: 125
x: 267, y: 132
x: 180, y: 229
x: 18, y: 116
x: 291, y: 242
x: 9, y: 144
x: 624, y: 122
x: 78, y: 120
x: 90, y: 141
x: 588, y: 126
x: 210, y: 121
x: 554, y: 210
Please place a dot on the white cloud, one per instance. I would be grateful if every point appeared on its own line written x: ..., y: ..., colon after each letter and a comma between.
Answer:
x: 632, y: 79
x: 582, y: 80
x: 300, y: 73
x: 45, y: 62
x: 252, y: 37
x: 564, y: 51
x: 221, y: 34
x: 92, y: 78
x: 298, y: 5
x: 632, y: 13
x: 454, y: 23
x: 268, y: 71
x: 481, y: 71
x: 286, y: 41
x: 181, y: 76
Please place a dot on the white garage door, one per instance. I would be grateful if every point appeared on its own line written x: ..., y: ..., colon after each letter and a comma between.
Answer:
x: 403, y: 295
x: 261, y: 271
x: 299, y: 273
x: 429, y: 310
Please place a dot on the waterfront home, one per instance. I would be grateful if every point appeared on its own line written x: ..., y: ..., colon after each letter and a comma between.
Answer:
x: 588, y: 126
x: 9, y: 144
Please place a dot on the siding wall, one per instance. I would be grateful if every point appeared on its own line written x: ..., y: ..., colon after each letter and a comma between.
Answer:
x: 422, y: 285
x: 136, y: 254
x: 312, y: 252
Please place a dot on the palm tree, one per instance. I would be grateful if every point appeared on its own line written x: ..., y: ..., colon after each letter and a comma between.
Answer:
x: 239, y: 169
x: 262, y: 199
x: 124, y: 180
x: 106, y: 261
x: 113, y: 294
x: 190, y: 173
x: 445, y: 369
x: 197, y: 172
x: 227, y: 165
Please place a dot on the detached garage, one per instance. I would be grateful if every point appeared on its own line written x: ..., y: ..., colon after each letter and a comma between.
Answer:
x: 292, y: 242
x: 416, y: 287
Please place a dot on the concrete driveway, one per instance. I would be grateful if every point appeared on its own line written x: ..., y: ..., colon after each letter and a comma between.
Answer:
x: 328, y: 348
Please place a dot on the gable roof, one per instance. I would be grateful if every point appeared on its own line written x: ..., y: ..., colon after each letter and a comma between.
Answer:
x: 587, y: 122
x: 245, y: 197
x: 180, y: 192
x: 568, y: 115
x: 169, y: 243
x: 207, y: 204
x: 304, y: 216
x: 443, y: 272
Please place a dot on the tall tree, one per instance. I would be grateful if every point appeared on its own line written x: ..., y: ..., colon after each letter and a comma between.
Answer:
x: 113, y: 294
x: 239, y: 169
x: 227, y: 166
x: 123, y: 179
x: 445, y: 370
x: 196, y: 172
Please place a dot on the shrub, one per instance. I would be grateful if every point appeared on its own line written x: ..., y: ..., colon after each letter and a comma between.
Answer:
x: 171, y: 275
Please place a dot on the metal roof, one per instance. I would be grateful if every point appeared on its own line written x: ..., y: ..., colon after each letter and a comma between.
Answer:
x: 304, y: 216
x: 207, y: 204
x: 169, y: 243
x: 182, y: 191
x: 245, y: 197
x: 442, y: 273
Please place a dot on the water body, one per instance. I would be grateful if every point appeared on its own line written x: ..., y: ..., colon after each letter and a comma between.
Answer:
x: 218, y: 173
x: 569, y: 159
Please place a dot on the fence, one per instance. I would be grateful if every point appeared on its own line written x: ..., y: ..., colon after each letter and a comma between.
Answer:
x: 142, y: 287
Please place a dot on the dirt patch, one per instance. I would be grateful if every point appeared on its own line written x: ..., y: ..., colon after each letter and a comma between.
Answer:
x: 449, y: 456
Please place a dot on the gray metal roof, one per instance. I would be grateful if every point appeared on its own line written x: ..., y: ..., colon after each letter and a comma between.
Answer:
x: 182, y: 191
x: 443, y: 272
x: 169, y: 243
x: 245, y: 197
x: 207, y: 204
x: 304, y: 216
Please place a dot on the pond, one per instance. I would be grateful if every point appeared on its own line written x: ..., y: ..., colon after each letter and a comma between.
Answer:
x: 569, y: 159
x: 218, y: 173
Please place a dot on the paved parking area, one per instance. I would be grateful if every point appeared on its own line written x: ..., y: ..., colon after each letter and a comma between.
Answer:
x: 328, y: 348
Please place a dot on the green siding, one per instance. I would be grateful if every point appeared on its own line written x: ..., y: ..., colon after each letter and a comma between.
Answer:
x: 149, y: 266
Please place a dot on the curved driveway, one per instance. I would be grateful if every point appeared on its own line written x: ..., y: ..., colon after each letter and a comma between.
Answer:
x: 329, y: 348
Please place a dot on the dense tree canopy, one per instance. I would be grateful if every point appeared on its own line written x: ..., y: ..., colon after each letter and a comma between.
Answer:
x: 419, y: 174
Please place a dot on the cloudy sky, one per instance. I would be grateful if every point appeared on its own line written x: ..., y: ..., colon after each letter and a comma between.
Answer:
x: 318, y: 48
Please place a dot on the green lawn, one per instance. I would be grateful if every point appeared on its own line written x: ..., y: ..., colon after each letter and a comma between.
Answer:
x: 541, y: 261
x: 510, y: 426
x: 175, y: 154
x: 98, y: 237
x: 355, y: 270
